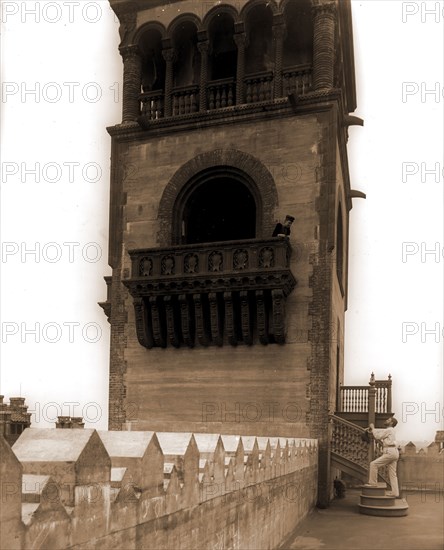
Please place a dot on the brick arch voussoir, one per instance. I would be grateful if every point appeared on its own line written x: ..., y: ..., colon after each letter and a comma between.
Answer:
x: 244, y: 162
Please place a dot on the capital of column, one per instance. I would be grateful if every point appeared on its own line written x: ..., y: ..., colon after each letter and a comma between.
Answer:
x: 203, y: 47
x: 279, y: 31
x: 324, y: 8
x: 240, y: 40
x: 131, y: 51
x: 128, y: 23
x: 169, y: 55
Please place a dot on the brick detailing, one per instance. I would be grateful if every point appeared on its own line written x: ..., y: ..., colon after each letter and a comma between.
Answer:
x: 324, y: 46
x: 245, y: 162
x: 117, y: 368
x: 320, y: 309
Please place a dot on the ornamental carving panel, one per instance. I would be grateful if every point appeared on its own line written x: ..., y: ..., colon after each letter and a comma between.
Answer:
x: 266, y: 257
x: 215, y: 261
x: 240, y: 259
x: 168, y: 265
x: 146, y: 267
x: 191, y: 264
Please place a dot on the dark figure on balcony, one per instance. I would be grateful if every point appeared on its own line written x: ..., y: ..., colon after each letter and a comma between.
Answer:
x: 389, y: 456
x: 283, y: 229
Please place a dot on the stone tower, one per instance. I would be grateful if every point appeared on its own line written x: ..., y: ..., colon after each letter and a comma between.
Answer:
x: 235, y: 114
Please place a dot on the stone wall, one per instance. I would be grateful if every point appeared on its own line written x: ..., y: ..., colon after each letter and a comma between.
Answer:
x: 218, y: 491
x: 422, y: 469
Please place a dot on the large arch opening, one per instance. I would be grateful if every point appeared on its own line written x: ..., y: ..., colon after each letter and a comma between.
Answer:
x: 216, y: 164
x: 219, y: 209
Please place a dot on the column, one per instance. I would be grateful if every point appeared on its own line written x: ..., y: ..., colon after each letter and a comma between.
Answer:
x: 241, y: 40
x: 132, y: 77
x: 279, y: 31
x: 203, y: 48
x: 169, y: 56
x: 324, y: 45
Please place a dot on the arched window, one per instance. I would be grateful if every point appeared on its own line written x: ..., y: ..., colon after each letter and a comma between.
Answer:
x: 223, y: 51
x: 186, y: 69
x: 153, y: 65
x: 259, y: 52
x: 220, y: 208
x: 220, y: 204
x: 298, y: 44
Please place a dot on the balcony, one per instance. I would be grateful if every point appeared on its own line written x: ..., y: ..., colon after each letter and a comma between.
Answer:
x: 230, y: 292
x: 220, y: 94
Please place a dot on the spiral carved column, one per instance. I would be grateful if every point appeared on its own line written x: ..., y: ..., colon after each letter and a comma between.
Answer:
x: 278, y: 37
x: 241, y: 41
x: 132, y: 76
x: 324, y: 45
x: 203, y: 48
x: 169, y: 56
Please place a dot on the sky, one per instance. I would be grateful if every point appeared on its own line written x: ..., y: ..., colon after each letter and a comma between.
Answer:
x: 61, y: 87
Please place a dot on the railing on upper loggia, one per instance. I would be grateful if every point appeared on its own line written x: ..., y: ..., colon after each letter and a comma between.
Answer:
x: 221, y: 93
x: 259, y: 87
x: 152, y: 104
x: 185, y: 100
x: 297, y: 80
x: 374, y: 398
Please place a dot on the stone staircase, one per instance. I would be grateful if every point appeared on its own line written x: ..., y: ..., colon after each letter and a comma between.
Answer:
x: 375, y: 501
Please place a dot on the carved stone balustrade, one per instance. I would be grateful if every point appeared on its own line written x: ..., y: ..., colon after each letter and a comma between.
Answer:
x: 297, y: 80
x: 259, y: 87
x: 211, y: 293
x: 152, y: 104
x: 221, y: 93
x: 185, y: 100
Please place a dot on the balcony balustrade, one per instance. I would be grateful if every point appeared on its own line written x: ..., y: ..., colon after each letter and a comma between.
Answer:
x: 152, y: 104
x: 259, y: 87
x: 297, y: 80
x: 222, y: 93
x: 185, y: 100
x: 212, y: 293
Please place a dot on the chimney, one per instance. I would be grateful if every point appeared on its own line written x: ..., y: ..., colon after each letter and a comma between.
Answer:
x: 70, y: 422
x: 63, y: 422
x: 77, y: 422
